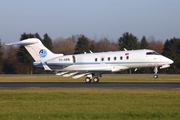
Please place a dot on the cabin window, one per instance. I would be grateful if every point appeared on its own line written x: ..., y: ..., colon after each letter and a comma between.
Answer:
x: 102, y: 59
x: 127, y: 57
x: 95, y: 59
x: 114, y: 58
x: 108, y: 58
x: 121, y: 58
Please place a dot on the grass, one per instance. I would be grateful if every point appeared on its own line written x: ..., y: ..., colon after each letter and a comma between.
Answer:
x: 105, y: 78
x: 80, y: 104
x: 89, y: 103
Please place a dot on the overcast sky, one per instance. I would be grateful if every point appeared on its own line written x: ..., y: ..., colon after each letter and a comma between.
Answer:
x: 93, y: 18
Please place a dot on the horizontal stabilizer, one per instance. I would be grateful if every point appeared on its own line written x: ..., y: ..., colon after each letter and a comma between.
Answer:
x: 23, y: 42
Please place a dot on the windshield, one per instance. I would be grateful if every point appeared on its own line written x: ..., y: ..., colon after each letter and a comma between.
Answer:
x: 152, y: 53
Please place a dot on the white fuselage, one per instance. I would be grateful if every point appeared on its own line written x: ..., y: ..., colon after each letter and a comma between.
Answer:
x: 107, y: 61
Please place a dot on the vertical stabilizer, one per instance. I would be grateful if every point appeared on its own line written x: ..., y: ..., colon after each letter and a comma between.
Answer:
x: 37, y: 50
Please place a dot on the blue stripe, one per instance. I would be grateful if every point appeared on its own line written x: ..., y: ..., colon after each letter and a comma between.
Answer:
x: 91, y: 63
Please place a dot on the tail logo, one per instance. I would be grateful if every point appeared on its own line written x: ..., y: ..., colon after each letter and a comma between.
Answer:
x: 43, y: 53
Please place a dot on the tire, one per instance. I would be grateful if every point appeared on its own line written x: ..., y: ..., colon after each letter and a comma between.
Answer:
x: 88, y: 80
x: 155, y: 76
x: 96, y: 79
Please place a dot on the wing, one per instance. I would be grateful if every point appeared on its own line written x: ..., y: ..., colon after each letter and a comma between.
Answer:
x: 86, y: 71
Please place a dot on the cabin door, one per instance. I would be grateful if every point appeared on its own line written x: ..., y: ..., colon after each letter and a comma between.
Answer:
x: 74, y: 59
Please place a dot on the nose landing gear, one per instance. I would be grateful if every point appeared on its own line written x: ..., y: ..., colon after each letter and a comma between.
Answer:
x: 155, y: 72
x: 155, y: 76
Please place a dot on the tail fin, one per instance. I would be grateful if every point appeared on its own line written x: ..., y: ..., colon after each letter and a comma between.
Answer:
x: 37, y: 50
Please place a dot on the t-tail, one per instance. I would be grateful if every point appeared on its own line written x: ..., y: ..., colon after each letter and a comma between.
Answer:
x: 37, y: 50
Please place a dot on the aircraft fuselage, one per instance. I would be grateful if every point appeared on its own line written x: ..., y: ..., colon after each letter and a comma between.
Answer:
x: 107, y: 61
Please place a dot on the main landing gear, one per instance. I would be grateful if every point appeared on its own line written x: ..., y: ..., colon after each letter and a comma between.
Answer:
x: 155, y: 72
x: 89, y: 79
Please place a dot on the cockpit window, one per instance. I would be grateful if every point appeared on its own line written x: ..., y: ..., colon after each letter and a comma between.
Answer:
x: 152, y: 53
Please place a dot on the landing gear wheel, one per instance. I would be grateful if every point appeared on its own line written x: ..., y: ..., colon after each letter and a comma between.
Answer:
x: 155, y: 76
x: 155, y: 72
x: 88, y: 80
x: 96, y: 79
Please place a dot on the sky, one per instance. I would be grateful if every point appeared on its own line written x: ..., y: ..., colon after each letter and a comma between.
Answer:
x: 93, y: 18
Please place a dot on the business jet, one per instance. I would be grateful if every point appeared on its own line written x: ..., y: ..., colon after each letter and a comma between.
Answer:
x: 92, y: 65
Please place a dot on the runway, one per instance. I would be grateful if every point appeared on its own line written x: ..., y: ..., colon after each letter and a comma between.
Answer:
x: 90, y: 85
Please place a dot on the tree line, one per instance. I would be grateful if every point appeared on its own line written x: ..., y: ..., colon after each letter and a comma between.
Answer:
x: 16, y: 59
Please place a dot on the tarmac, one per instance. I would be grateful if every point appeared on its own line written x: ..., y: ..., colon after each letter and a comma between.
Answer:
x: 166, y: 85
